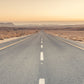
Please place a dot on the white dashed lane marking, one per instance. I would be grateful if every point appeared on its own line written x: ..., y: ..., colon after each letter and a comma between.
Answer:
x: 41, y: 46
x: 41, y: 62
x: 41, y: 81
x: 41, y: 40
x: 41, y: 56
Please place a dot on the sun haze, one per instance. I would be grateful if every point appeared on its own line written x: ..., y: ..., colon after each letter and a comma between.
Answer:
x: 41, y: 10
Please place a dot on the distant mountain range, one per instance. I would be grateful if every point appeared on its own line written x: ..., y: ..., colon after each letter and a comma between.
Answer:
x: 7, y: 24
x: 42, y: 26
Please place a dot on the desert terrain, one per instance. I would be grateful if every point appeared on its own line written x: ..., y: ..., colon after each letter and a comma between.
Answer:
x: 73, y: 32
x: 68, y: 34
x: 10, y: 30
x: 14, y: 32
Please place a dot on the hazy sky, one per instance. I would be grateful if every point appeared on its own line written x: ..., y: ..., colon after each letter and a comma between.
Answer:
x: 41, y: 10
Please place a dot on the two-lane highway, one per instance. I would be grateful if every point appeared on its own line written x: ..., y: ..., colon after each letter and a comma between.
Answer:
x: 41, y: 59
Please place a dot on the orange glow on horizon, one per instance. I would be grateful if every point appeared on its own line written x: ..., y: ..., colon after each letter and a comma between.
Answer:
x: 41, y: 10
x: 38, y: 19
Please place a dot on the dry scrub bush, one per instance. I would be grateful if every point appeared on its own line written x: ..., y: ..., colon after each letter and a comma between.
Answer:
x: 73, y: 35
x: 14, y: 33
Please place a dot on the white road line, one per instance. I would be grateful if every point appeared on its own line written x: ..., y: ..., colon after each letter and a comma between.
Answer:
x: 41, y: 63
x: 41, y: 46
x: 12, y: 44
x: 41, y: 81
x: 41, y: 41
x: 41, y: 56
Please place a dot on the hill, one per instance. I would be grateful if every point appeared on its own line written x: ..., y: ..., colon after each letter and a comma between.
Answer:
x: 7, y: 24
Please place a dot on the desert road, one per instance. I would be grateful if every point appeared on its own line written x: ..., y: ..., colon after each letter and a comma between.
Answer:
x: 41, y: 59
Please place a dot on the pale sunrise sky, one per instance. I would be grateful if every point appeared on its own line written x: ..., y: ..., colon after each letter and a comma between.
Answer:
x: 41, y: 10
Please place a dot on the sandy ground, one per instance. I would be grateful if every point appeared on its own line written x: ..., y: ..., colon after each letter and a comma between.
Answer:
x: 7, y: 34
x: 77, y: 36
x: 13, y: 38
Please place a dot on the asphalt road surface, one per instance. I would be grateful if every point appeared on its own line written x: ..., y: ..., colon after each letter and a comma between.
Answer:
x: 41, y: 59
